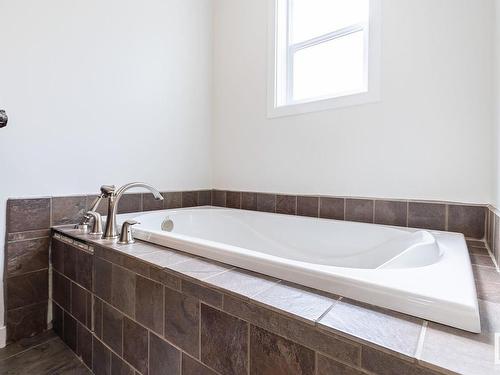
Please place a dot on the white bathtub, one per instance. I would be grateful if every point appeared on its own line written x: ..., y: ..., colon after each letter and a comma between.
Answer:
x: 417, y: 272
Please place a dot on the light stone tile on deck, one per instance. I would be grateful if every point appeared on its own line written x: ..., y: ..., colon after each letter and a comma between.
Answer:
x: 392, y: 330
x: 242, y: 282
x: 461, y: 351
x: 136, y: 249
x: 199, y: 268
x: 164, y: 258
x: 301, y: 302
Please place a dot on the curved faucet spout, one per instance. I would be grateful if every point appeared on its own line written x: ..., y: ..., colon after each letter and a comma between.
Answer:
x: 132, y: 185
x: 114, y: 197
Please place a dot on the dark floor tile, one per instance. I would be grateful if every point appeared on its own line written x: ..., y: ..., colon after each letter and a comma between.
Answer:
x: 150, y: 203
x: 331, y: 208
x: 26, y: 321
x: 427, y: 215
x: 61, y: 290
x: 149, y: 304
x: 28, y: 214
x: 286, y: 204
x: 272, y: 354
x: 123, y: 290
x: 130, y: 203
x: 85, y: 263
x: 233, y: 199
x: 26, y: 344
x: 101, y: 358
x: 266, y: 202
x: 27, y: 256
x: 69, y: 335
x: 102, y: 279
x: 52, y: 357
x: 205, y: 198
x: 469, y: 220
x: 163, y: 357
x: 360, y: 210
x: 189, y: 198
x: 112, y: 328
x: 182, y: 321
x: 328, y: 366
x: 84, y: 344
x: 120, y: 367
x: 224, y: 344
x: 27, y: 289
x: 308, y: 206
x: 249, y: 201
x: 68, y: 210
x: 70, y: 261
x: 135, y: 345
x: 391, y: 213
x: 79, y: 303
x: 173, y: 199
x: 219, y: 198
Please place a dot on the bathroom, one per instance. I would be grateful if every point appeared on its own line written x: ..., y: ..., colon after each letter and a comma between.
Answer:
x: 230, y: 187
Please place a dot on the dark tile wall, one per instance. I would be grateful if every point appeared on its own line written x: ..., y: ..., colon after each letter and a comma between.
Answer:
x: 185, y: 334
x: 471, y: 220
x: 28, y: 245
x: 493, y: 233
x: 29, y: 222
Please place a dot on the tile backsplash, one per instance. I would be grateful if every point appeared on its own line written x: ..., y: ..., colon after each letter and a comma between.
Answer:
x: 26, y: 270
x: 29, y: 222
x: 454, y: 217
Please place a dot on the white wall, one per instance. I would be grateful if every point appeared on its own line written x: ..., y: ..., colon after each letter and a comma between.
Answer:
x: 429, y: 137
x: 104, y: 92
x: 496, y: 137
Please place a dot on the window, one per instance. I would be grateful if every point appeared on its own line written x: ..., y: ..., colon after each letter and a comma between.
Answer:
x: 323, y: 54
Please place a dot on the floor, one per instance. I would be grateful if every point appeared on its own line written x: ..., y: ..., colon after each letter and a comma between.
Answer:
x: 40, y: 355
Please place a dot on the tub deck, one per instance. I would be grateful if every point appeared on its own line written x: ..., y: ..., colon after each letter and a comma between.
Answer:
x: 401, y: 342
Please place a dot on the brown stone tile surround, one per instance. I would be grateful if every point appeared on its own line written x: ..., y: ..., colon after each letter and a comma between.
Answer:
x: 225, y: 320
x: 28, y: 242
x: 29, y: 220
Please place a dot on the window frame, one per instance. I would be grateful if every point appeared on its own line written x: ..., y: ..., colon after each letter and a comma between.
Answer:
x: 280, y: 64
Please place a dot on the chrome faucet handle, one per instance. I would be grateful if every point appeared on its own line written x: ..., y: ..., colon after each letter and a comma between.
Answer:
x: 108, y: 190
x: 97, y: 225
x: 126, y: 237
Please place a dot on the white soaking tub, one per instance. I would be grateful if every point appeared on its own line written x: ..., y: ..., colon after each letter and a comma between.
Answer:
x: 417, y: 272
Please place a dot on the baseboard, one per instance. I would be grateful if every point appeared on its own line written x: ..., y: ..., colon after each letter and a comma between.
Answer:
x: 3, y: 336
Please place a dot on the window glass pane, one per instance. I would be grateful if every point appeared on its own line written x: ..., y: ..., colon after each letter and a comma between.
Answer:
x: 313, y: 18
x: 330, y: 69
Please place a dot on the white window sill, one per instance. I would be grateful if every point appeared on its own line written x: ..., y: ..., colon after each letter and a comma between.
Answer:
x: 372, y: 96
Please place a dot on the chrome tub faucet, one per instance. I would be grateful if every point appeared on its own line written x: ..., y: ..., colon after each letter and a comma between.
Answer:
x: 114, y: 196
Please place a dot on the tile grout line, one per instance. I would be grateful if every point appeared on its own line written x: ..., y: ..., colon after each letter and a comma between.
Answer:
x: 421, y: 339
x: 492, y: 256
x: 327, y: 311
x: 218, y: 274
